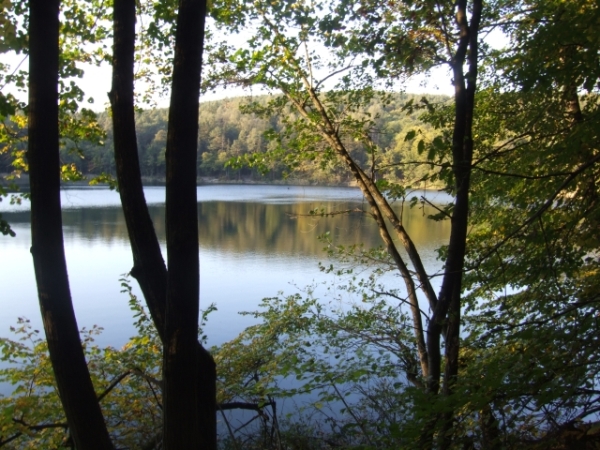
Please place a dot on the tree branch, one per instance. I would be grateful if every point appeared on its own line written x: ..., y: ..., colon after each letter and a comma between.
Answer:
x: 547, y: 204
x: 113, y: 384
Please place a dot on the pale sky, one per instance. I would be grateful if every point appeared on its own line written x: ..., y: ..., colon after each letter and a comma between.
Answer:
x: 97, y: 80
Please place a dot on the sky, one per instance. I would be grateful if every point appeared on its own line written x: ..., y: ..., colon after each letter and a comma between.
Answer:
x: 97, y: 80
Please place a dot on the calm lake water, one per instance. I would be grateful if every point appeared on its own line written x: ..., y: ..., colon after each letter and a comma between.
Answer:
x: 253, y: 243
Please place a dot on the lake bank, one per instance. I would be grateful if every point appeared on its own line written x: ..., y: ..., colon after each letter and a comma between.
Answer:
x: 23, y: 181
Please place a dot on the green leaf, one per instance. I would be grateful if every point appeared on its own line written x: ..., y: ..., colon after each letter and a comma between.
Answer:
x: 410, y: 135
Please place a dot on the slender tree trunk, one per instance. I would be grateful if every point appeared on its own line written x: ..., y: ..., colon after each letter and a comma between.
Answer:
x: 448, y: 309
x: 180, y: 368
x: 149, y: 268
x: 148, y: 264
x: 77, y: 395
x: 490, y: 432
x: 369, y: 189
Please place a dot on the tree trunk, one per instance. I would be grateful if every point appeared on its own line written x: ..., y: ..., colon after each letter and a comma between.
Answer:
x: 149, y: 268
x: 77, y: 395
x: 448, y: 309
x: 148, y: 264
x: 180, y: 368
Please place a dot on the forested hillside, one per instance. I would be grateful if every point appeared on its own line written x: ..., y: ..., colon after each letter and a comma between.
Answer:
x: 226, y: 132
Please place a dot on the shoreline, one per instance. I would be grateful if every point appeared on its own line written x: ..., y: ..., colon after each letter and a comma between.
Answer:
x: 23, y: 182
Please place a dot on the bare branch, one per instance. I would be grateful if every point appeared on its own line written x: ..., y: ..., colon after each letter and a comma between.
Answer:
x: 243, y: 405
x: 333, y: 74
x: 113, y: 384
x: 329, y: 214
x: 437, y: 208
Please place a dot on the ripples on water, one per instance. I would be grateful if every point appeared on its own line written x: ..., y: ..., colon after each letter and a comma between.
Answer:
x: 254, y: 242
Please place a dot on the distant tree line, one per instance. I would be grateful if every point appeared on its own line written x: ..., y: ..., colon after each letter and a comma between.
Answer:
x: 226, y: 132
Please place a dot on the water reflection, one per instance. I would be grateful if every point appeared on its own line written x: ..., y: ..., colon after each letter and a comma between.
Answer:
x: 240, y: 227
x: 254, y: 240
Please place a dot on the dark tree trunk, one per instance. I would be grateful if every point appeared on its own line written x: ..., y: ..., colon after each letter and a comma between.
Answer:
x: 148, y: 264
x: 447, y: 313
x: 149, y: 268
x: 84, y: 417
x: 180, y: 368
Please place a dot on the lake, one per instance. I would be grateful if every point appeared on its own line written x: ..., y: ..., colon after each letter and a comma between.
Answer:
x: 254, y: 242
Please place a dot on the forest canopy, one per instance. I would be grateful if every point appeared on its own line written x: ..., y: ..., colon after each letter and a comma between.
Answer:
x: 227, y: 133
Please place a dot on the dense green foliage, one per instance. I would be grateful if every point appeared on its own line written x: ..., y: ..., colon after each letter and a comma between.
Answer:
x: 128, y: 380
